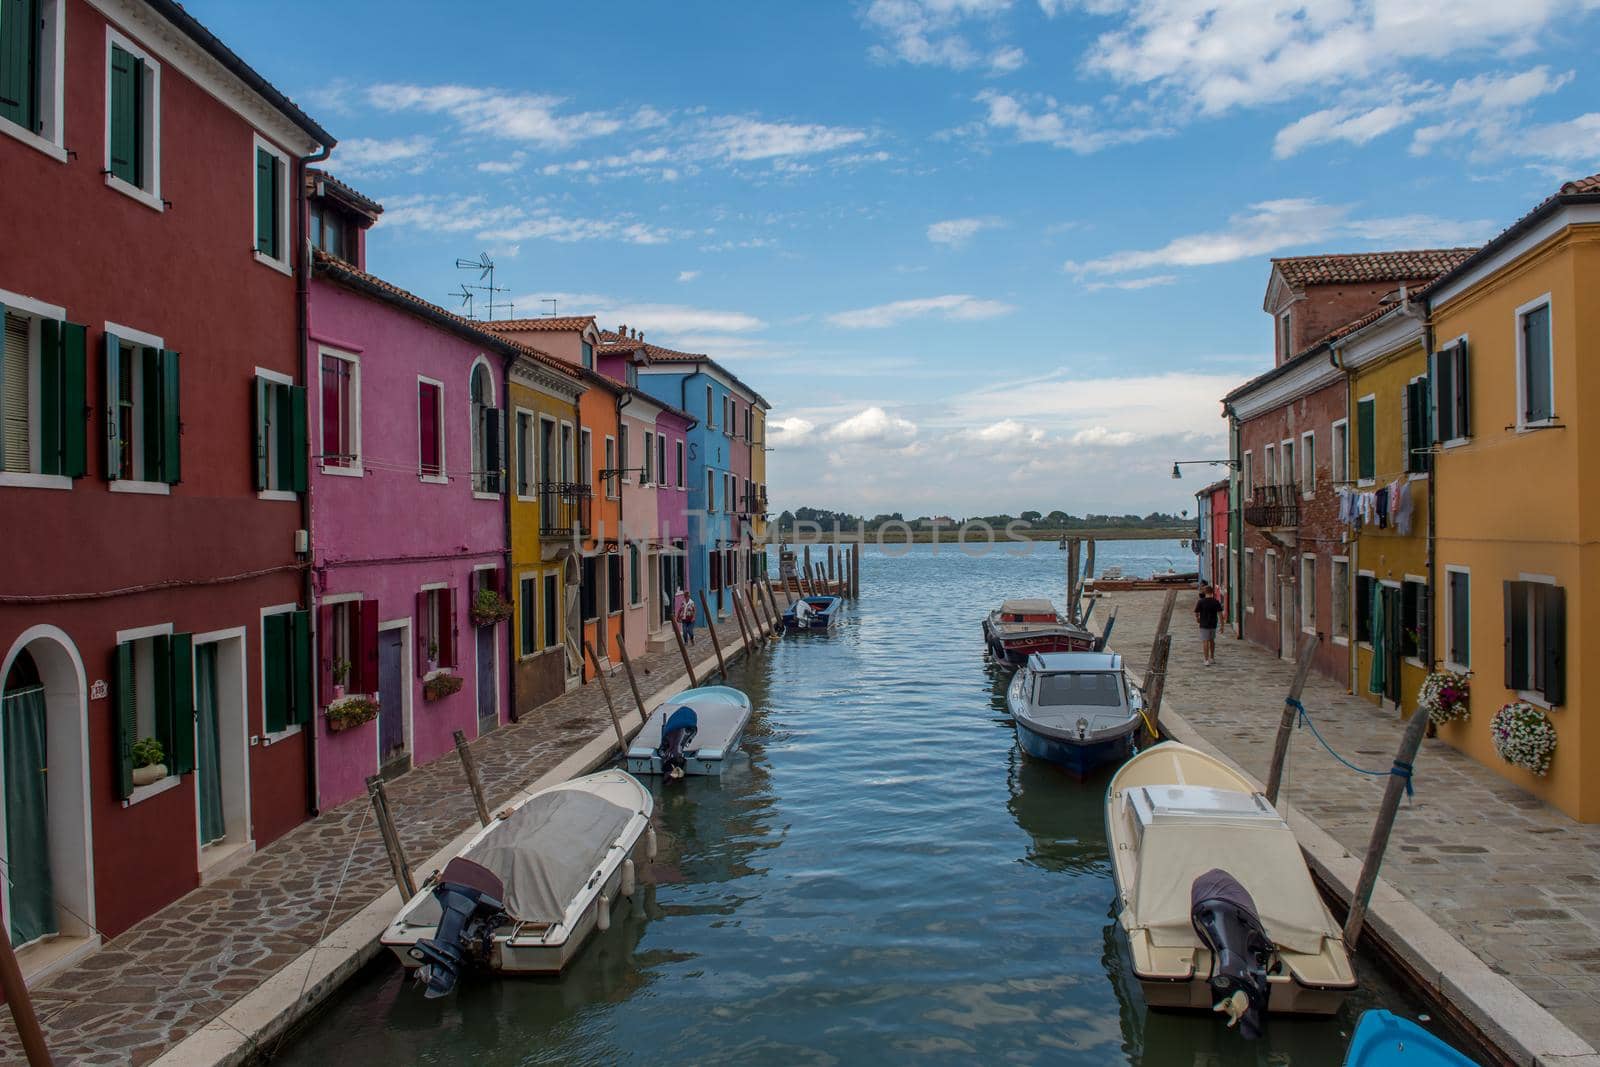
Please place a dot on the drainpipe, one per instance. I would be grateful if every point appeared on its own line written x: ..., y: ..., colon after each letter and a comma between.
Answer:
x: 624, y: 398
x: 505, y: 488
x: 302, y: 302
x: 1425, y: 312
x: 1337, y: 361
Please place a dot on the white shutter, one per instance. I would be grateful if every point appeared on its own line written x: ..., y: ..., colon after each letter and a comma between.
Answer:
x: 14, y: 389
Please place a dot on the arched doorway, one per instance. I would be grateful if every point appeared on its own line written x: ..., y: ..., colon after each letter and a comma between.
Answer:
x: 44, y: 787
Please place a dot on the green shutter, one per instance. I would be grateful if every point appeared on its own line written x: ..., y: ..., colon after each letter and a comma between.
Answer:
x: 19, y: 62
x: 148, y: 410
x: 180, y: 757
x: 161, y: 668
x: 73, y: 340
x: 299, y: 444
x: 171, y: 406
x: 52, y: 401
x: 1365, y: 439
x: 127, y: 88
x: 127, y: 722
x: 302, y: 672
x: 275, y: 640
x: 113, y: 378
x: 260, y: 404
x: 1553, y: 626
x: 266, y: 203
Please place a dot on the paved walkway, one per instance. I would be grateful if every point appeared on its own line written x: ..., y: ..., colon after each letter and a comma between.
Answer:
x: 170, y: 974
x: 1513, y: 879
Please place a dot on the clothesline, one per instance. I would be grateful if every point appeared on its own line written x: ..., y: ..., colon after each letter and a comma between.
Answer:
x: 1383, y: 506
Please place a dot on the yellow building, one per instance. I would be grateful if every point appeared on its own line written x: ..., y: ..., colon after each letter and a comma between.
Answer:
x: 758, y: 471
x: 1516, y: 363
x: 543, y: 427
x: 1382, y: 571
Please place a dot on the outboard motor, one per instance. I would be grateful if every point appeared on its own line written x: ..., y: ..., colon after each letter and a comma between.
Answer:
x: 679, y: 731
x: 471, y: 900
x: 1226, y: 920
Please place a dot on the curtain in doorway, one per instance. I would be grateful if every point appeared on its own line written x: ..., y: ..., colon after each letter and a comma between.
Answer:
x: 32, y: 912
x: 1377, y: 679
x: 208, y: 745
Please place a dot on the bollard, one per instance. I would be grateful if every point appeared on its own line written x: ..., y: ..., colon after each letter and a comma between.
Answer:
x: 471, y: 769
x: 1410, y: 742
x: 1280, y: 747
x: 605, y: 691
x: 683, y: 650
x: 398, y: 864
x: 627, y: 666
x: 716, y: 642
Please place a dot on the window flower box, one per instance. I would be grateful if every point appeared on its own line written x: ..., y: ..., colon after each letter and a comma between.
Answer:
x: 1524, y: 736
x: 440, y: 684
x: 350, y: 712
x: 489, y: 608
x: 1445, y: 696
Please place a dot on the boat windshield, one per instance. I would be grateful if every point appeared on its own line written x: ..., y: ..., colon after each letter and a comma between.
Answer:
x: 1092, y: 688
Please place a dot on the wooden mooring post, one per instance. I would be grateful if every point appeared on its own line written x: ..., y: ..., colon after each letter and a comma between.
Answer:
x: 788, y: 598
x: 683, y: 650
x: 1280, y: 745
x: 1072, y: 583
x: 605, y: 691
x: 803, y: 580
x: 470, y: 768
x: 399, y: 866
x: 1155, y: 685
x: 1163, y: 625
x: 716, y: 643
x: 855, y: 573
x: 1088, y: 560
x: 633, y: 683
x: 777, y: 614
x: 1404, y: 759
x: 738, y: 617
x: 21, y: 1004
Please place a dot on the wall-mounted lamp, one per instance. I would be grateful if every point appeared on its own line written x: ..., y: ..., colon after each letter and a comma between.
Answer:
x: 1176, y: 473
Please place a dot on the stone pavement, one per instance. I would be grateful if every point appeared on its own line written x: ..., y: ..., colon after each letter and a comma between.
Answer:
x: 170, y: 974
x: 1514, y: 880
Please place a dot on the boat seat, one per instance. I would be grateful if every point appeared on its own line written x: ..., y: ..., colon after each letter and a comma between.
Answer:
x: 464, y: 872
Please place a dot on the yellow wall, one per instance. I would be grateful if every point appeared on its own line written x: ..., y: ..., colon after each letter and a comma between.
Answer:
x: 758, y: 467
x: 1513, y: 503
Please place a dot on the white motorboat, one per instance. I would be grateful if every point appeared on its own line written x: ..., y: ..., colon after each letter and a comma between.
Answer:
x: 526, y: 891
x: 1195, y: 848
x: 693, y: 732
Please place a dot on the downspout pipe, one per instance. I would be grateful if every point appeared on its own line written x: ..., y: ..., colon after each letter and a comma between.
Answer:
x: 1425, y: 311
x: 624, y: 398
x: 1337, y: 361
x: 507, y: 493
x: 302, y: 363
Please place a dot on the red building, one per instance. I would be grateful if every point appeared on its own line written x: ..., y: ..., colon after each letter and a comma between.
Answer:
x: 152, y: 466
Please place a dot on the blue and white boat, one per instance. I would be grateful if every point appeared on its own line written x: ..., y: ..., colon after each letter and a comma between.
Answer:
x: 1075, y: 709
x: 1384, y: 1039
x: 818, y: 613
x: 693, y: 732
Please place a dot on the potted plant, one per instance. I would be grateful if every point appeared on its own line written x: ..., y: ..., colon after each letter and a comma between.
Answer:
x: 1445, y: 696
x: 433, y: 656
x: 440, y: 684
x: 489, y: 607
x: 351, y: 712
x: 1524, y: 736
x: 148, y: 765
x: 341, y: 673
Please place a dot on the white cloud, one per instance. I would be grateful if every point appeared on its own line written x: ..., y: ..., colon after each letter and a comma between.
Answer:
x: 1576, y: 141
x: 1006, y: 432
x: 445, y: 214
x: 957, y: 232
x: 789, y: 431
x: 744, y: 139
x: 1099, y: 436
x: 1278, y: 225
x: 673, y: 320
x: 532, y: 117
x: 688, y: 275
x: 1103, y: 411
x: 499, y: 166
x: 1339, y: 124
x: 1040, y: 119
x: 1133, y: 283
x: 364, y: 155
x: 873, y: 425
x: 958, y: 307
x: 929, y: 33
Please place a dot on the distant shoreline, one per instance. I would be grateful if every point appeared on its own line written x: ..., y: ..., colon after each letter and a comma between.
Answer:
x: 948, y: 536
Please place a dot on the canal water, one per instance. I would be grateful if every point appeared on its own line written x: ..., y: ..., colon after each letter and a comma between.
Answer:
x: 881, y: 877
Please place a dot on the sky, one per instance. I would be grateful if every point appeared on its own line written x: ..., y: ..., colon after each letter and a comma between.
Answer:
x: 980, y: 256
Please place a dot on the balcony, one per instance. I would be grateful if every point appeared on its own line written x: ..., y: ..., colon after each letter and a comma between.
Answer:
x: 1274, y: 507
x: 564, y: 508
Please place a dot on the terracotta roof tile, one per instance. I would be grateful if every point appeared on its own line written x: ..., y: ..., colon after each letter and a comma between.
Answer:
x: 345, y: 192
x: 1355, y: 267
x: 1591, y: 184
x: 547, y: 322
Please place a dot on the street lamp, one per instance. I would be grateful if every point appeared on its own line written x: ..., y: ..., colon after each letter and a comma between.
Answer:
x: 1176, y: 474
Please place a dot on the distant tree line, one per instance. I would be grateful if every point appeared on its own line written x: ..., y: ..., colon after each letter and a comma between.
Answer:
x: 1052, y: 520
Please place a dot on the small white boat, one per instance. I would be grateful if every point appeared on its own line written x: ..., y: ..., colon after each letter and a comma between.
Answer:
x: 1075, y: 709
x: 1194, y: 847
x: 525, y: 892
x: 693, y: 732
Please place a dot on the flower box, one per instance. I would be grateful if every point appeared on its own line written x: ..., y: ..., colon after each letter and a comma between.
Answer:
x: 1524, y: 736
x: 350, y: 712
x: 440, y: 684
x: 489, y: 608
x: 1445, y: 696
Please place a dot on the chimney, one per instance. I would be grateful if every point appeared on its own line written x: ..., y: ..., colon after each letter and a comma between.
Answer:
x: 622, y: 332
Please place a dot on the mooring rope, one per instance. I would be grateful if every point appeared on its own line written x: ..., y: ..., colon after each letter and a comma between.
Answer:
x: 1400, y: 768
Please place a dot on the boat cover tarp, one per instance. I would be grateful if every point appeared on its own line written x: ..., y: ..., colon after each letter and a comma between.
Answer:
x: 1265, y: 860
x: 721, y: 713
x: 1028, y: 606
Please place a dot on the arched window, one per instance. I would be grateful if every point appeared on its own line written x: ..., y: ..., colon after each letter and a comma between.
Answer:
x: 485, y: 432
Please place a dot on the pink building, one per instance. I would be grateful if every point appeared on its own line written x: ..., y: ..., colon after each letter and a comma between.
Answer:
x: 672, y: 509
x: 408, y: 521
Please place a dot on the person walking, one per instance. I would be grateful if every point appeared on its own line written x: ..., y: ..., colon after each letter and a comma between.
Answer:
x: 686, y: 617
x: 1208, y: 613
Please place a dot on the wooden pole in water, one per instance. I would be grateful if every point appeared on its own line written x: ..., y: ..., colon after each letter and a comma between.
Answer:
x: 738, y: 616
x: 788, y: 598
x: 633, y: 683
x: 21, y: 1005
x: 1072, y: 581
x: 830, y: 560
x: 855, y: 574
x: 1155, y: 684
x: 716, y: 642
x: 758, y: 616
x: 471, y: 769
x: 1280, y: 746
x: 804, y: 581
x: 605, y: 690
x: 808, y: 559
x: 398, y: 864
x: 771, y: 604
x: 1410, y: 741
x: 1163, y: 625
x: 683, y: 650
x: 1088, y: 563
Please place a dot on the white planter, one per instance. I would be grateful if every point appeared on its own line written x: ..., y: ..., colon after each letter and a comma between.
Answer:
x: 149, y: 775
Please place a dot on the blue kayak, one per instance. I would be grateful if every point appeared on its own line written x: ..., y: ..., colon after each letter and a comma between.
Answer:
x: 1383, y: 1039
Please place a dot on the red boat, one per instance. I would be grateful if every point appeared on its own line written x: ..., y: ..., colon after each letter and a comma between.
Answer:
x: 1019, y: 628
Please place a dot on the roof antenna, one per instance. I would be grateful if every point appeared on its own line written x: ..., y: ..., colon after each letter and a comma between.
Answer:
x: 466, y: 299
x: 485, y: 268
x: 552, y: 302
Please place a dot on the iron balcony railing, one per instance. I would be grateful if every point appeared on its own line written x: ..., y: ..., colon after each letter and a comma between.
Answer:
x: 1274, y: 507
x: 565, y: 508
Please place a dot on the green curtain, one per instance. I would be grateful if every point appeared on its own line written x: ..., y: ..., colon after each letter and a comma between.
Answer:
x: 208, y: 745
x: 1380, y: 643
x: 32, y: 913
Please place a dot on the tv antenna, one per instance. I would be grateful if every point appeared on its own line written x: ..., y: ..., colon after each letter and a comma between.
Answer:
x: 485, y: 268
x: 466, y: 299
x: 552, y: 302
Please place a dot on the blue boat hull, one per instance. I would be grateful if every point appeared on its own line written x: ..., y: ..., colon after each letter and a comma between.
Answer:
x: 1080, y: 759
x: 824, y: 610
x: 1383, y: 1039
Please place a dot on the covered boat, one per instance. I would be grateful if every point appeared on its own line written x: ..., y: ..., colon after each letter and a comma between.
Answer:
x: 818, y: 614
x: 1214, y: 894
x: 693, y: 732
x: 1384, y: 1039
x: 525, y: 892
x: 1019, y: 628
x: 1075, y: 709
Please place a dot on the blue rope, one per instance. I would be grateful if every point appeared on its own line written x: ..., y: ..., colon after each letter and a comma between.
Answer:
x: 1400, y: 768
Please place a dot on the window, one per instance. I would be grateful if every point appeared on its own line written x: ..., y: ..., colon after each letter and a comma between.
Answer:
x: 1417, y: 433
x: 142, y: 410
x: 635, y: 590
x: 430, y: 430
x: 1285, y: 335
x: 1308, y: 594
x: 623, y: 452
x: 528, y: 602
x: 287, y: 665
x: 1269, y: 471
x: 1366, y: 439
x: 527, y: 466
x: 661, y: 460
x: 552, y: 610
x: 586, y: 454
x: 347, y: 636
x: 155, y: 699
x: 1535, y: 372
x: 729, y: 411
x: 1308, y: 464
x: 683, y: 478
x: 588, y: 590
x: 340, y: 446
x: 133, y: 121
x: 1536, y: 639
x: 43, y: 424
x: 271, y: 224
x: 1339, y: 460
x: 330, y: 231
x: 747, y: 413
x: 1365, y: 586
x: 588, y: 356
x: 1247, y: 581
x: 710, y: 422
x: 1269, y: 583
x: 613, y: 582
x: 280, y: 418
x: 1451, y: 393
x: 486, y: 432
x: 1339, y: 599
x: 436, y: 629
x: 1414, y: 617
x: 646, y: 476
x: 1458, y: 617
x: 32, y: 89
x: 1249, y: 474
x: 611, y: 464
x: 711, y: 490
x: 1287, y: 471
